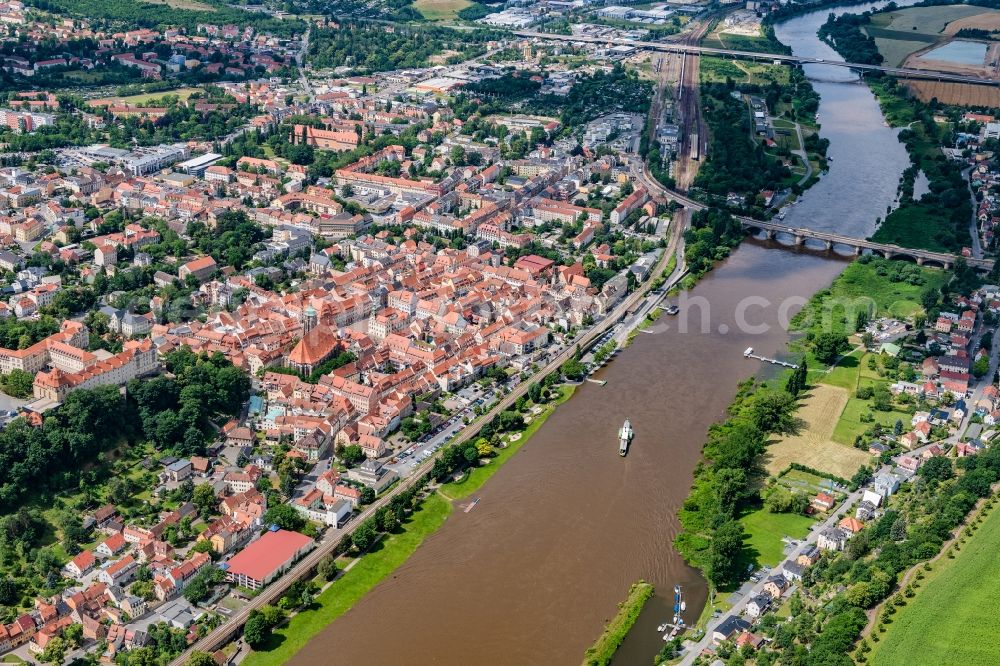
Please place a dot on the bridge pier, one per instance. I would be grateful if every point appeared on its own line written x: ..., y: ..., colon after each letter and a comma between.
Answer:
x: 829, y: 245
x: 857, y: 250
x: 920, y: 261
x: 770, y: 234
x: 799, y: 239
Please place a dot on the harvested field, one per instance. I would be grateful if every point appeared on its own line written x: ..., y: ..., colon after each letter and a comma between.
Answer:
x: 987, y: 20
x: 814, y: 445
x: 926, y: 20
x: 964, y: 94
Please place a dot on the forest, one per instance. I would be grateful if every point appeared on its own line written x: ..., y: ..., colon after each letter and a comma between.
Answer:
x: 736, y: 163
x: 146, y: 15
x: 174, y: 413
x: 374, y: 48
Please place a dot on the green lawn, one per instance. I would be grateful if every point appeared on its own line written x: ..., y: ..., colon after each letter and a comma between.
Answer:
x: 851, y: 373
x: 845, y: 373
x: 473, y: 481
x: 440, y: 10
x: 850, y: 425
x: 951, y: 619
x: 337, y: 599
x: 798, y: 480
x: 145, y: 98
x: 765, y: 530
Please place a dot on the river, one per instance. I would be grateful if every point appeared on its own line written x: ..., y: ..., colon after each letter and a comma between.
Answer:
x: 531, y: 575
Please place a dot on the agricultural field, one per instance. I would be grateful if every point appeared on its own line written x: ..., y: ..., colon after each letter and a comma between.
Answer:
x: 440, y: 10
x: 815, y: 444
x: 950, y: 621
x: 765, y: 531
x: 926, y: 20
x: 962, y: 94
x: 904, y: 32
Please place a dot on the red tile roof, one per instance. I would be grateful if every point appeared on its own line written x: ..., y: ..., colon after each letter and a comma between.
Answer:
x: 263, y: 557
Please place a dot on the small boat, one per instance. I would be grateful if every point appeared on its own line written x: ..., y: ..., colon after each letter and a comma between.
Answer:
x: 662, y: 627
x: 747, y: 352
x: 624, y: 437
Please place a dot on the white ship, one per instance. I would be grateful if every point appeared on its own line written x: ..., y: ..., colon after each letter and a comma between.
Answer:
x: 624, y: 437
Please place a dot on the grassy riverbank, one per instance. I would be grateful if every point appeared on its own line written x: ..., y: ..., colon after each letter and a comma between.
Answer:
x: 601, y: 652
x: 474, y: 479
x: 343, y: 593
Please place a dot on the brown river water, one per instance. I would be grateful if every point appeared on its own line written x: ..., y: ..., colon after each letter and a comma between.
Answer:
x: 531, y: 575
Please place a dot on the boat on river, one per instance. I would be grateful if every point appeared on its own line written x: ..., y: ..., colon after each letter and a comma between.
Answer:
x: 624, y: 437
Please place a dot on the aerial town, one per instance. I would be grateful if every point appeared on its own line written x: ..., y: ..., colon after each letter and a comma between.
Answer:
x: 285, y: 285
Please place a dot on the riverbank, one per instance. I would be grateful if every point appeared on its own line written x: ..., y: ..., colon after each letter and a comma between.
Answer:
x: 601, y: 653
x: 340, y: 595
x: 776, y: 424
x: 474, y: 479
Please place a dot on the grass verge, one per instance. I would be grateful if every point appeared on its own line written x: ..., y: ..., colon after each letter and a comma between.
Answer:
x: 339, y: 597
x: 475, y: 479
x: 601, y: 652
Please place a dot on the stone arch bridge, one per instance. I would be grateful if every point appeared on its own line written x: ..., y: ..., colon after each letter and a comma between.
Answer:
x: 799, y: 237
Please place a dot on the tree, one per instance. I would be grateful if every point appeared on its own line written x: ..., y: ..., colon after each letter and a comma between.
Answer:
x: 327, y: 568
x: 18, y: 383
x: 203, y: 497
x: 74, y: 634
x: 981, y: 366
x: 772, y: 412
x: 256, y: 630
x: 828, y: 346
x: 352, y: 455
x: 882, y: 399
x: 9, y: 593
x: 367, y: 495
x: 55, y: 651
x: 387, y: 520
x: 364, y: 535
x: 198, y: 658
x: 936, y: 469
x: 285, y: 517
x: 573, y: 369
x: 724, y: 551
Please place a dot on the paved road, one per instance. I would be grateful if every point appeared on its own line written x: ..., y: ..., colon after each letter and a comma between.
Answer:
x: 977, y: 247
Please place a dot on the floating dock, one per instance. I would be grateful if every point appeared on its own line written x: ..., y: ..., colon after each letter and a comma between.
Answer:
x: 472, y: 505
x: 748, y: 353
x: 676, y: 625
